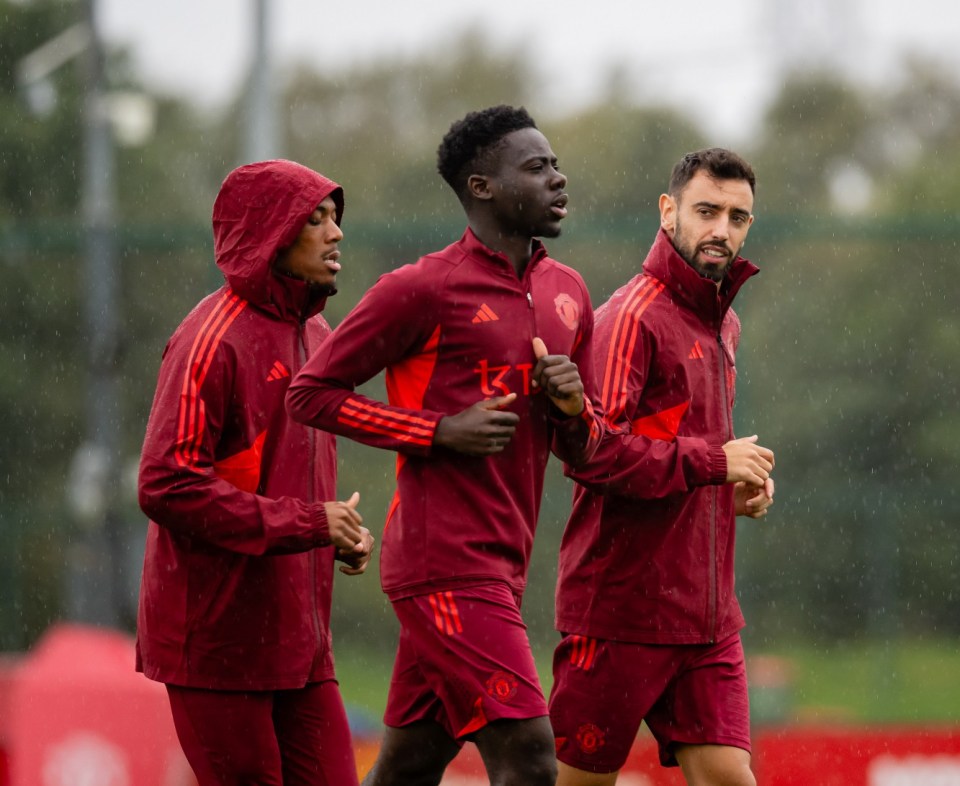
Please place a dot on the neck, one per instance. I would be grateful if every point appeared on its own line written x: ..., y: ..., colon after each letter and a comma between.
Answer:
x: 516, y: 248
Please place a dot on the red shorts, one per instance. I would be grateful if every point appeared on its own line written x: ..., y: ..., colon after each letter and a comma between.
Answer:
x: 602, y: 690
x: 463, y: 661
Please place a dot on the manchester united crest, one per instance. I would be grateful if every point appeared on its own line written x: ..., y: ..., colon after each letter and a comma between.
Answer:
x: 567, y: 310
x: 502, y: 685
x: 590, y: 738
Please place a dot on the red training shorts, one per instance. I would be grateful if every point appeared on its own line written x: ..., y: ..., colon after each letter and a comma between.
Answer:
x: 463, y: 661
x: 602, y: 690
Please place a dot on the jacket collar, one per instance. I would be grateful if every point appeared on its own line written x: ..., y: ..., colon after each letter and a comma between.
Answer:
x: 700, y: 294
x: 473, y: 246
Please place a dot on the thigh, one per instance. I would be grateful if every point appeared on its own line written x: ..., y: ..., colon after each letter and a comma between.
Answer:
x: 227, y: 736
x: 707, y: 704
x: 314, y: 736
x: 706, y: 765
x: 518, y: 751
x: 601, y: 692
x: 472, y: 658
x: 413, y: 755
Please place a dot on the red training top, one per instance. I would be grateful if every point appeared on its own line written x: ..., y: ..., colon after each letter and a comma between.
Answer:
x: 453, y: 329
x: 647, y: 555
x: 238, y: 569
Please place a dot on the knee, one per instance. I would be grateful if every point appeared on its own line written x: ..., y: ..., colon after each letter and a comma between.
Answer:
x: 416, y: 756
x: 404, y: 771
x: 732, y: 777
x: 740, y: 777
x: 710, y: 765
x: 535, y: 769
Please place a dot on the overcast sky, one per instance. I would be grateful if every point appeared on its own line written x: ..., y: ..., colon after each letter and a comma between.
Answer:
x: 720, y: 61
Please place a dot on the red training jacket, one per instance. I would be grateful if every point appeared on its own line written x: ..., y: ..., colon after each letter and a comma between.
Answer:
x: 238, y: 569
x: 452, y: 329
x: 647, y: 554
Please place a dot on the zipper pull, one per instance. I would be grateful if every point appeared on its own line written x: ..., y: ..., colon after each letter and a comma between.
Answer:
x: 530, y: 300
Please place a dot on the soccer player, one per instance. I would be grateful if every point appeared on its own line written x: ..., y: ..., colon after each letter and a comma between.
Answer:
x: 235, y: 596
x: 476, y: 403
x: 645, y: 597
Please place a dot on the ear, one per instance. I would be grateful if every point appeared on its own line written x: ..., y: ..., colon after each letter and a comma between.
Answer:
x: 668, y: 214
x: 478, y: 187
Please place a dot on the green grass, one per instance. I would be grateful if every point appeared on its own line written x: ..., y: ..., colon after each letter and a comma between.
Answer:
x: 906, y: 681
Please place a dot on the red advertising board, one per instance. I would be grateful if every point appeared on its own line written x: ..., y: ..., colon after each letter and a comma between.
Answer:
x: 799, y: 756
x: 73, y: 711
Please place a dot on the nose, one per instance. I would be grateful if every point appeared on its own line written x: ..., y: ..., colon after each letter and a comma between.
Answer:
x: 336, y: 234
x: 721, y: 227
x: 559, y: 179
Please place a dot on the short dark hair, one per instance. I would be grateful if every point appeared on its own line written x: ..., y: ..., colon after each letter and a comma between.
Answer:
x: 466, y: 146
x: 718, y: 162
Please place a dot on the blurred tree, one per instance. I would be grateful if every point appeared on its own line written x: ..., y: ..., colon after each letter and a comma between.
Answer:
x: 849, y: 355
x: 43, y: 347
x: 849, y: 341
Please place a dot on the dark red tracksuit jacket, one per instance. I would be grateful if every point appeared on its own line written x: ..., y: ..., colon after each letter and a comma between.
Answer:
x: 648, y: 552
x: 238, y: 570
x: 450, y: 330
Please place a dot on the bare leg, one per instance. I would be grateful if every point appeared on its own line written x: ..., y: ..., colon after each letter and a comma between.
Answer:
x: 519, y: 752
x: 571, y: 776
x: 715, y: 765
x: 414, y: 755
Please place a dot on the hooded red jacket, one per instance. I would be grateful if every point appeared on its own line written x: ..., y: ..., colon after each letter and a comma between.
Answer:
x: 237, y: 574
x: 648, y: 552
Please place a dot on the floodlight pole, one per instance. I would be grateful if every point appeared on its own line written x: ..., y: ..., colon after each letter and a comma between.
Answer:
x: 261, y: 141
x: 96, y: 569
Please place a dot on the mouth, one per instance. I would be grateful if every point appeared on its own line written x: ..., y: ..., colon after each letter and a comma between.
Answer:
x: 717, y: 254
x: 332, y: 261
x: 559, y: 206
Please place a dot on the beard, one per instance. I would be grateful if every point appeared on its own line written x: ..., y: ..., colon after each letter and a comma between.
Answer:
x: 323, y: 290
x: 690, y: 253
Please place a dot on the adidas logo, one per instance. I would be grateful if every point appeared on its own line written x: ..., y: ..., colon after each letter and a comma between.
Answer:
x: 696, y: 353
x: 485, y: 314
x: 279, y: 371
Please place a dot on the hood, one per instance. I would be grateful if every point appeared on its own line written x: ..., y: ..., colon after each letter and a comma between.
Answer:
x: 665, y: 263
x: 261, y: 209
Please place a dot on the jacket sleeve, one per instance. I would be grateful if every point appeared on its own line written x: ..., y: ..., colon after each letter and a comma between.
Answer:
x: 633, y: 464
x: 179, y: 487
x: 394, y: 326
x: 576, y: 439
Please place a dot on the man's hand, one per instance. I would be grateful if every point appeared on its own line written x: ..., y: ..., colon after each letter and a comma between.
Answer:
x: 356, y: 559
x: 480, y: 430
x: 343, y: 523
x: 753, y: 501
x: 747, y: 461
x: 560, y: 378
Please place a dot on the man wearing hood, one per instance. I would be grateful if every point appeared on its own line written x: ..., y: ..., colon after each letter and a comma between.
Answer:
x: 645, y: 593
x: 244, y: 527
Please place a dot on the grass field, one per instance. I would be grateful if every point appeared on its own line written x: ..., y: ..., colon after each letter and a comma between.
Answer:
x: 861, y: 682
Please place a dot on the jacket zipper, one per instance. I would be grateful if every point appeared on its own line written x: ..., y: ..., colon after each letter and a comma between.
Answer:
x: 716, y: 489
x: 312, y: 442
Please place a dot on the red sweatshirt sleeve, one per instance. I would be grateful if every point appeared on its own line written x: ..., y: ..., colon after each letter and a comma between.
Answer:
x: 393, y: 326
x: 636, y: 465
x: 576, y: 439
x: 179, y: 487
